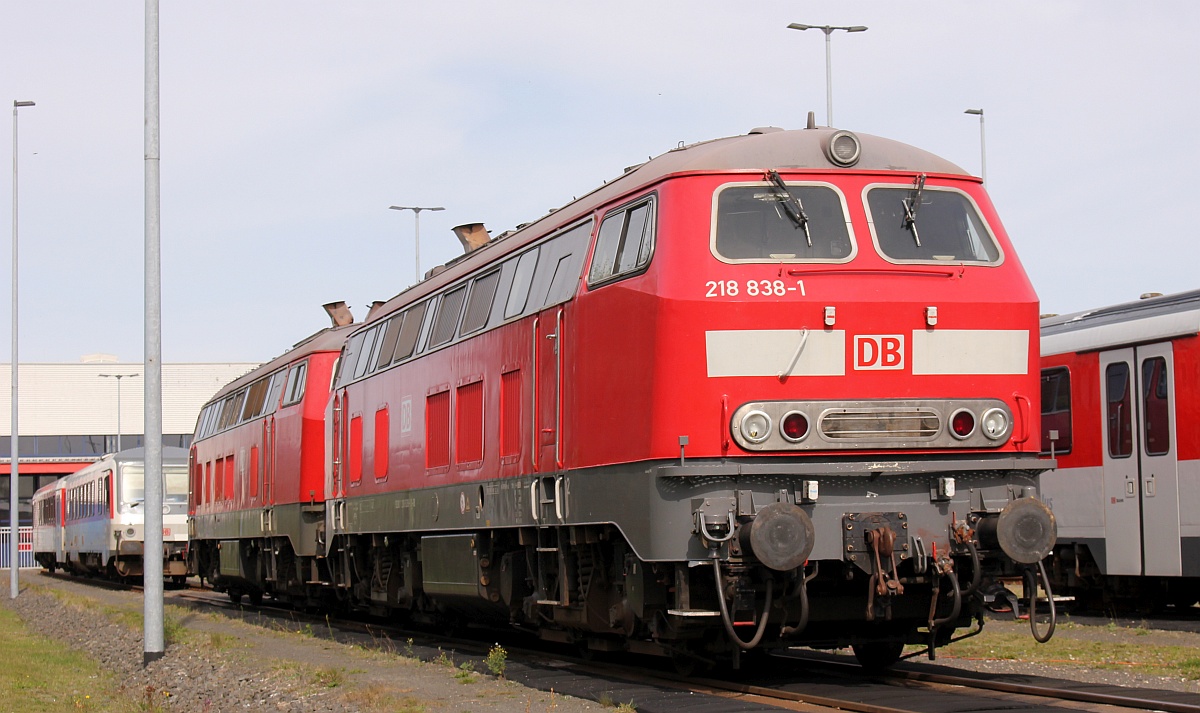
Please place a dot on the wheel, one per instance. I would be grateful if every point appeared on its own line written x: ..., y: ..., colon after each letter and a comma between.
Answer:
x: 179, y: 581
x: 256, y: 597
x: 878, y: 655
x: 235, y: 596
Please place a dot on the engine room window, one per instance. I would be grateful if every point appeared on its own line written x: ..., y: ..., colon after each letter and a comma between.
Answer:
x: 446, y: 320
x: 1056, y: 410
x: 760, y: 222
x: 479, y: 305
x: 920, y: 224
x: 625, y: 243
x: 518, y: 294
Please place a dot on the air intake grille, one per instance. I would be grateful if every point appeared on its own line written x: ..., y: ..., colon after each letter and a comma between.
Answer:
x: 880, y: 424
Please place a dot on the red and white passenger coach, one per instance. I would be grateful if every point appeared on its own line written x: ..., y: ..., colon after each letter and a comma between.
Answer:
x: 766, y: 390
x: 1119, y: 404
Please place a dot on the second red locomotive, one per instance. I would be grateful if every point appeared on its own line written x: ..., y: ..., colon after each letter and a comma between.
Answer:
x: 767, y: 390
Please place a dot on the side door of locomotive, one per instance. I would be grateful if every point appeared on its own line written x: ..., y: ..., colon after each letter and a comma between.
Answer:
x: 1158, y: 461
x: 1122, y: 492
x: 548, y: 374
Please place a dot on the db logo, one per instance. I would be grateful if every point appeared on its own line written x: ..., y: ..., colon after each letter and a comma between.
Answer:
x: 878, y: 351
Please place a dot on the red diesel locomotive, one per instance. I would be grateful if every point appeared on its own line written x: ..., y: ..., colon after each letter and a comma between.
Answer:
x: 769, y: 390
x: 1116, y: 400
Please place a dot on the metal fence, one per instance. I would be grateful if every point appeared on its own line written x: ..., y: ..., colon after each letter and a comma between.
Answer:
x: 24, y: 546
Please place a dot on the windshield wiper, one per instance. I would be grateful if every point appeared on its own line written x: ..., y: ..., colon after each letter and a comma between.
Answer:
x: 910, y: 207
x: 791, y: 204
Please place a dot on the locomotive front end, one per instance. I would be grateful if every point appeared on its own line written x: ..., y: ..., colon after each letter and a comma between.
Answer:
x: 866, y: 339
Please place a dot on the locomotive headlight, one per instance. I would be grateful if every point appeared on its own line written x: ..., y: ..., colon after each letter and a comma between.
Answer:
x: 130, y: 532
x: 755, y: 426
x: 844, y: 149
x: 962, y: 424
x: 995, y: 424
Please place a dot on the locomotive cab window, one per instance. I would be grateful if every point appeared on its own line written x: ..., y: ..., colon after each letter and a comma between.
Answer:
x: 295, y: 383
x: 625, y: 243
x: 1056, y: 410
x: 761, y: 222
x: 930, y: 225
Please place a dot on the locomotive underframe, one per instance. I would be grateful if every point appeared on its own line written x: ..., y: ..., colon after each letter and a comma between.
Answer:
x: 629, y: 557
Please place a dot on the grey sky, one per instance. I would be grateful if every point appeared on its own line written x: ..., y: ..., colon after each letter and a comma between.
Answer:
x: 289, y: 127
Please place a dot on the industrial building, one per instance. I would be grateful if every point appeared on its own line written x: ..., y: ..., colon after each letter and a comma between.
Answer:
x: 71, y: 414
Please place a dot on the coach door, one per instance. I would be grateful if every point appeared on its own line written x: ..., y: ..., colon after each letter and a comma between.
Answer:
x: 1158, y: 461
x: 1122, y: 511
x: 548, y: 373
x: 1141, y: 476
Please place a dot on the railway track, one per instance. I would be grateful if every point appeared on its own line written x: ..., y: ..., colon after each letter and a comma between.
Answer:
x: 793, y: 680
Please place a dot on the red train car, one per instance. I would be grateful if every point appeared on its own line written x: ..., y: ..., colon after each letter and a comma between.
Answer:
x: 1117, y: 386
x: 767, y: 390
x: 257, y: 466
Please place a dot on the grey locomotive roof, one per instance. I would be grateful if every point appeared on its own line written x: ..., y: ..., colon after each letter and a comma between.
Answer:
x: 328, y: 339
x: 797, y: 149
x: 1148, y: 320
x: 761, y: 149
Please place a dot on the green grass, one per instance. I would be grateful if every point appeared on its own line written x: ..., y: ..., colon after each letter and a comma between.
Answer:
x: 48, y: 676
x: 1017, y: 645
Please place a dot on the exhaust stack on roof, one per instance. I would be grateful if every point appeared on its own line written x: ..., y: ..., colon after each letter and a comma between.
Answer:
x: 374, y: 308
x: 472, y: 236
x: 339, y: 313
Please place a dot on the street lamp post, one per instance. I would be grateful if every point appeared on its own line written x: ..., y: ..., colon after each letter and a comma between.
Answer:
x: 417, y: 239
x: 982, y: 147
x: 828, y: 30
x: 14, y: 432
x: 118, y: 377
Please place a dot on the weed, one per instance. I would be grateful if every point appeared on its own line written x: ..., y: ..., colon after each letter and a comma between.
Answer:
x: 329, y: 677
x: 464, y: 672
x: 627, y: 707
x: 497, y: 659
x: 376, y: 698
x: 443, y: 660
x: 305, y: 630
x: 408, y: 648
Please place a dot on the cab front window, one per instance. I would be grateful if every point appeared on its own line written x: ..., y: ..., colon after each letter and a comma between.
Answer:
x: 763, y: 222
x: 931, y: 225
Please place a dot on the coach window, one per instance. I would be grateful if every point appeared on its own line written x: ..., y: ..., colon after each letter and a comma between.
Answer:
x: 929, y: 225
x: 479, y: 304
x: 446, y: 320
x: 759, y: 222
x: 1156, y: 426
x: 1119, y: 414
x: 1056, y: 410
x: 518, y: 294
x: 406, y: 343
x: 625, y: 243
